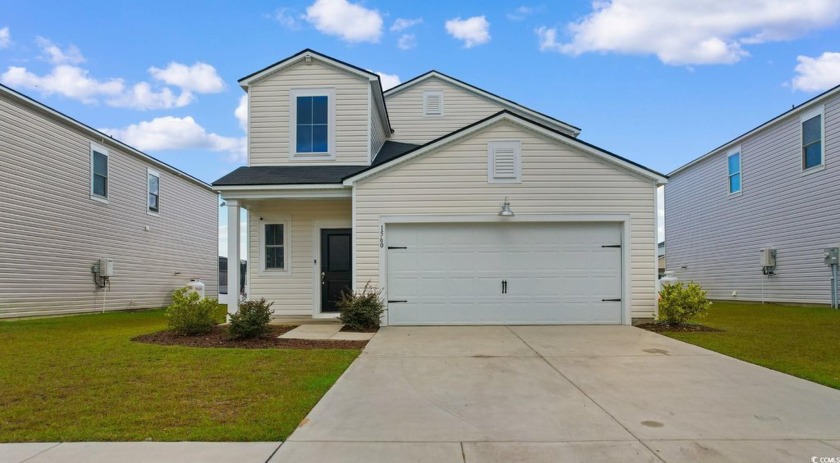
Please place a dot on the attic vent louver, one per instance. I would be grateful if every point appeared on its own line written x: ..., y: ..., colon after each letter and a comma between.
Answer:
x: 433, y: 103
x: 504, y: 162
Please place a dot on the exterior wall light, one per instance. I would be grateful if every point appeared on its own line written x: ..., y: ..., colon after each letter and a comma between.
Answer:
x: 506, y: 212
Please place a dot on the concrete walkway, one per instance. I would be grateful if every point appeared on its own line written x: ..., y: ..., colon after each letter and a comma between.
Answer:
x: 139, y: 452
x: 561, y: 393
x: 325, y: 332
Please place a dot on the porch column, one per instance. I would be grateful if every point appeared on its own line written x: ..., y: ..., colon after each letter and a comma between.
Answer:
x: 233, y: 255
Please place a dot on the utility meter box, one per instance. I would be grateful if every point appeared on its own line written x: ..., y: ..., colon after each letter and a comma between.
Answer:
x: 106, y: 267
x: 768, y: 257
x: 831, y: 256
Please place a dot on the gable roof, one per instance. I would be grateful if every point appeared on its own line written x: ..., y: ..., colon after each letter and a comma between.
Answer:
x: 507, y: 115
x: 509, y: 104
x: 302, y: 55
x: 308, y: 175
x: 803, y: 107
x: 96, y: 134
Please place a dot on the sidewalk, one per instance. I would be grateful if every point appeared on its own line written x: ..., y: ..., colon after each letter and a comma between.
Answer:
x: 139, y: 452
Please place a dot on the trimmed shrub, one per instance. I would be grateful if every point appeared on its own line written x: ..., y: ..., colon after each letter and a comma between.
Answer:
x: 679, y: 302
x: 251, y: 321
x: 361, y: 310
x: 190, y: 314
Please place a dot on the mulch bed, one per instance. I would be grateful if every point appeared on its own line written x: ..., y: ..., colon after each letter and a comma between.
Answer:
x: 219, y: 338
x: 686, y: 328
x: 347, y: 329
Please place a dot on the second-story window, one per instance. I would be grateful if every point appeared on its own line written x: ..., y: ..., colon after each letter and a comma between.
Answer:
x: 98, y: 172
x: 313, y: 122
x: 812, y: 139
x: 153, y: 191
x: 734, y: 164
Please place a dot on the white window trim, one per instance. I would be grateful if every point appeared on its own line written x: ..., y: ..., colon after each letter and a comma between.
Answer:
x: 817, y: 111
x: 733, y: 152
x: 517, y: 163
x: 294, y: 93
x: 426, y: 95
x: 102, y: 150
x: 149, y: 173
x: 285, y: 221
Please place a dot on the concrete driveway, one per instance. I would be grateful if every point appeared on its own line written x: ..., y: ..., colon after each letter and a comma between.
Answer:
x: 561, y: 393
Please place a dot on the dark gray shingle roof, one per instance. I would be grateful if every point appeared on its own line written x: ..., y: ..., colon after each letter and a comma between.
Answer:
x: 308, y: 175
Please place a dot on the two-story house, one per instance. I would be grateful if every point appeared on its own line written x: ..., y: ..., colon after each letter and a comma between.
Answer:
x: 463, y: 206
x: 90, y: 224
x: 750, y: 219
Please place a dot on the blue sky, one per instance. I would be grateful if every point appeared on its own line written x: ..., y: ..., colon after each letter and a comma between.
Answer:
x: 658, y: 81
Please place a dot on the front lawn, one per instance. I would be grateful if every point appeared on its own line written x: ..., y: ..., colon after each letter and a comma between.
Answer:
x: 801, y: 341
x: 80, y: 378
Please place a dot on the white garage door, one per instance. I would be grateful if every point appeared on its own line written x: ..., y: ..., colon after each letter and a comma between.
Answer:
x: 522, y: 273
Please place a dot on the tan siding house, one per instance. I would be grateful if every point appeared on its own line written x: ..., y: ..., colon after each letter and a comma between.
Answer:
x: 55, y: 227
x: 472, y: 210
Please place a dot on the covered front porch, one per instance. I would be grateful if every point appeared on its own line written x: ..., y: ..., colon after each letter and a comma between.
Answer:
x: 299, y: 247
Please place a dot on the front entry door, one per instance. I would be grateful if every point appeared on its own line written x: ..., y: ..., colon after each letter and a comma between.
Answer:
x: 336, y: 266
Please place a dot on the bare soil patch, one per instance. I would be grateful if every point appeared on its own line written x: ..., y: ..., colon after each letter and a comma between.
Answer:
x: 219, y: 338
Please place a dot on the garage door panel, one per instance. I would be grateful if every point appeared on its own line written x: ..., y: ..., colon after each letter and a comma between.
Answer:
x: 453, y: 273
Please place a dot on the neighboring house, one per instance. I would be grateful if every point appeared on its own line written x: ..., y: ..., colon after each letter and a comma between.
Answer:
x: 776, y: 187
x: 347, y: 184
x: 71, y: 196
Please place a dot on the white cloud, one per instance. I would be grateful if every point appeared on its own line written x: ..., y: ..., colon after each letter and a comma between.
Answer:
x: 69, y: 81
x: 388, y: 80
x: 5, y: 37
x: 472, y: 31
x: 142, y: 96
x: 407, y: 42
x: 177, y: 133
x: 689, y: 32
x: 287, y: 17
x: 817, y: 74
x: 241, y: 112
x: 348, y: 21
x: 520, y: 13
x: 55, y: 55
x: 402, y: 24
x: 198, y: 78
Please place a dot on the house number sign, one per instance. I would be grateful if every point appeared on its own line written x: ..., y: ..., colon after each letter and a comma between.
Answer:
x: 382, y: 236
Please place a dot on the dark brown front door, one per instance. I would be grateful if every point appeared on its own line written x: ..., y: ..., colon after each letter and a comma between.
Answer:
x: 336, y: 266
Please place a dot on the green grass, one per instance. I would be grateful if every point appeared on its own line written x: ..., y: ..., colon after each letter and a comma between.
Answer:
x: 80, y: 378
x: 801, y: 341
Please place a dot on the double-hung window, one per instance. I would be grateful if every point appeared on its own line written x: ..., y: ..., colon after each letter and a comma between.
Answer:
x: 812, y: 139
x: 313, y: 123
x: 733, y: 161
x: 152, y: 191
x: 98, y: 172
x: 274, y: 245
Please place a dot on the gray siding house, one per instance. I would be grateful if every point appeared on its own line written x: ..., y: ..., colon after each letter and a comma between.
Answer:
x: 72, y: 196
x: 777, y: 187
x: 464, y: 207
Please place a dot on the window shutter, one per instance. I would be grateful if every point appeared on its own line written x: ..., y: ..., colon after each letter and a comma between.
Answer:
x: 504, y: 162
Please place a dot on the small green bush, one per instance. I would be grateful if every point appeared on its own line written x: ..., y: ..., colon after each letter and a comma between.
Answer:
x: 361, y: 310
x: 251, y: 321
x: 190, y: 314
x: 680, y: 302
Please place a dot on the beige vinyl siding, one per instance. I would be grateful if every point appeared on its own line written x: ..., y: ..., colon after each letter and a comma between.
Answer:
x: 460, y: 108
x: 556, y: 179
x: 292, y: 291
x: 717, y: 238
x: 52, y: 232
x: 377, y: 131
x: 269, y: 114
